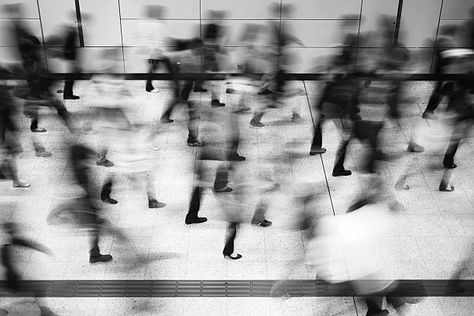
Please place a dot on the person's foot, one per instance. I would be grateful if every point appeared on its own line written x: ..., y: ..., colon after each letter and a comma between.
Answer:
x: 155, y: 204
x: 236, y: 157
x: 428, y: 115
x: 415, y: 148
x: 100, y: 258
x: 449, y: 165
x: 194, y: 220
x: 341, y: 173
x: 229, y: 90
x: 152, y: 90
x: 71, y: 97
x: 166, y: 120
x: 109, y: 200
x: 217, y: 104
x: 256, y: 124
x: 317, y: 151
x: 195, y: 143
x: 20, y: 184
x: 199, y: 89
x: 263, y: 223
x: 43, y: 153
x: 401, y: 186
x: 105, y: 163
x: 233, y: 257
x: 223, y: 190
x: 37, y: 130
x: 443, y: 187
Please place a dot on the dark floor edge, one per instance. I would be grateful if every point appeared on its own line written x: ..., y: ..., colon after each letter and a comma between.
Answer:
x: 229, y: 288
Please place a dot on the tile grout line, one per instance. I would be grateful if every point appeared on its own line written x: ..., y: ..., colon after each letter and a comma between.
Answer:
x: 320, y: 156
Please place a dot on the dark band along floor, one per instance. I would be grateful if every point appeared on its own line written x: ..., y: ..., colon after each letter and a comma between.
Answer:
x: 229, y: 288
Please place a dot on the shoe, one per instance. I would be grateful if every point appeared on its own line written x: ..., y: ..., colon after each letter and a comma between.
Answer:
x: 60, y: 91
x: 223, y: 190
x: 229, y: 90
x: 166, y: 120
x: 109, y: 200
x: 236, y: 257
x: 20, y: 184
x: 155, y: 204
x: 316, y: 151
x: 415, y: 148
x: 37, y: 130
x: 449, y: 165
x: 443, y: 187
x: 263, y: 223
x: 217, y: 104
x: 153, y: 90
x: 195, y: 143
x: 199, y: 89
x: 236, y: 157
x: 105, y: 163
x: 256, y: 124
x: 428, y: 115
x: 194, y: 220
x: 100, y: 258
x: 43, y: 153
x: 71, y: 97
x: 341, y: 173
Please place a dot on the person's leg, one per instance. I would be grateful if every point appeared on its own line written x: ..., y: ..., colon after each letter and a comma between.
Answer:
x: 220, y: 183
x: 374, y: 306
x: 339, y: 169
x: 448, y: 161
x: 94, y: 254
x: 150, y: 189
x: 434, y: 101
x: 151, y: 69
x: 107, y: 190
x: 196, y: 196
x: 102, y: 157
x: 229, y: 244
x: 193, y: 125
x: 12, y: 168
x: 316, y: 144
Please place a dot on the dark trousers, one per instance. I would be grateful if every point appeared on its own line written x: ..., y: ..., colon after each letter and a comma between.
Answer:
x: 69, y: 82
x: 220, y: 182
x: 441, y: 89
x: 154, y: 63
x: 364, y: 131
x: 229, y: 242
x: 183, y: 95
x: 460, y: 131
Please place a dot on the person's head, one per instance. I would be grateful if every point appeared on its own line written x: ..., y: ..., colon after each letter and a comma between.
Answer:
x: 286, y: 11
x: 14, y: 10
x: 216, y: 15
x: 154, y: 12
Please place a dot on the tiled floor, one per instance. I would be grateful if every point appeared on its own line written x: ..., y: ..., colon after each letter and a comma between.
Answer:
x: 433, y: 232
